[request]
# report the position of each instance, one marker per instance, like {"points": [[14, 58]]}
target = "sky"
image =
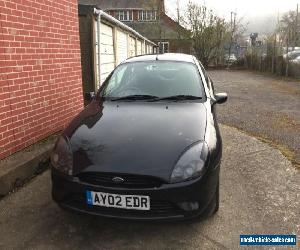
{"points": [[258, 15], [249, 8]]}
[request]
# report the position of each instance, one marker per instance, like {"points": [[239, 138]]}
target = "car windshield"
{"points": [[156, 79]]}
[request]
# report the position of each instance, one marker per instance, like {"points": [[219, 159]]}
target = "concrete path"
{"points": [[260, 194]]}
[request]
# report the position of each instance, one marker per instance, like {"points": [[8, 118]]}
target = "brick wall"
{"points": [[40, 70]]}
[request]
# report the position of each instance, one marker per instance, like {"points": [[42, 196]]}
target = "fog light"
{"points": [[189, 206]]}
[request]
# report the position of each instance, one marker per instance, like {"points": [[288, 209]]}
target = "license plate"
{"points": [[137, 202]]}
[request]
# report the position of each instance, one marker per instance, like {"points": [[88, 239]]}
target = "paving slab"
{"points": [[20, 167]]}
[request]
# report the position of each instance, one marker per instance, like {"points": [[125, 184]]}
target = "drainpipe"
{"points": [[136, 46], [99, 48]]}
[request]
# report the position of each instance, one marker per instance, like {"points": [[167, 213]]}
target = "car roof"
{"points": [[162, 57]]}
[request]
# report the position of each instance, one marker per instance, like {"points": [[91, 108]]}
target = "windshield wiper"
{"points": [[135, 97], [179, 97]]}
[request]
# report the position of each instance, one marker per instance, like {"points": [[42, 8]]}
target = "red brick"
{"points": [[40, 62]]}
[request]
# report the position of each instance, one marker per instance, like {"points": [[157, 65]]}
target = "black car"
{"points": [[147, 146]]}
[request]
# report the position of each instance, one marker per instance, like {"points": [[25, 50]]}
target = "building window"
{"points": [[147, 15], [163, 47], [124, 15]]}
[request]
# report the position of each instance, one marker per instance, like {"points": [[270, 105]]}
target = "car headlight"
{"points": [[191, 164], [61, 157]]}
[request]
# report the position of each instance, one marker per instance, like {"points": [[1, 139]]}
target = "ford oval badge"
{"points": [[118, 179]]}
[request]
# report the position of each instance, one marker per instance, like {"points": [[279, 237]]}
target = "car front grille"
{"points": [[130, 181]]}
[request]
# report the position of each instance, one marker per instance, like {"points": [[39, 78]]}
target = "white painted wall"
{"points": [[107, 57], [139, 47], [149, 49], [115, 47], [132, 45], [122, 46]]}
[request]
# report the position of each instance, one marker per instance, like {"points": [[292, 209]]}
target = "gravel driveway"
{"points": [[263, 106]]}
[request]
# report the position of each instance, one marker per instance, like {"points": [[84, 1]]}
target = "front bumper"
{"points": [[69, 192]]}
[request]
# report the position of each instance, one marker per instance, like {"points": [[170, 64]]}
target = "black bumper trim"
{"points": [[64, 188]]}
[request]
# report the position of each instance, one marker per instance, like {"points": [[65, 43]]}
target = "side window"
{"points": [[208, 80], [204, 72], [211, 85], [115, 81]]}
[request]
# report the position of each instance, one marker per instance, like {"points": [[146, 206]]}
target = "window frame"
{"points": [[163, 47], [127, 15], [147, 15], [208, 80]]}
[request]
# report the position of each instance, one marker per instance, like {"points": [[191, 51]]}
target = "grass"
{"points": [[288, 153], [275, 76]]}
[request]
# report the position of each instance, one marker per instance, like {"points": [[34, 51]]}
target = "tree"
{"points": [[208, 32], [288, 29]]}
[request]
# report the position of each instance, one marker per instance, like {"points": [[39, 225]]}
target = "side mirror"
{"points": [[89, 96], [220, 98]]}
